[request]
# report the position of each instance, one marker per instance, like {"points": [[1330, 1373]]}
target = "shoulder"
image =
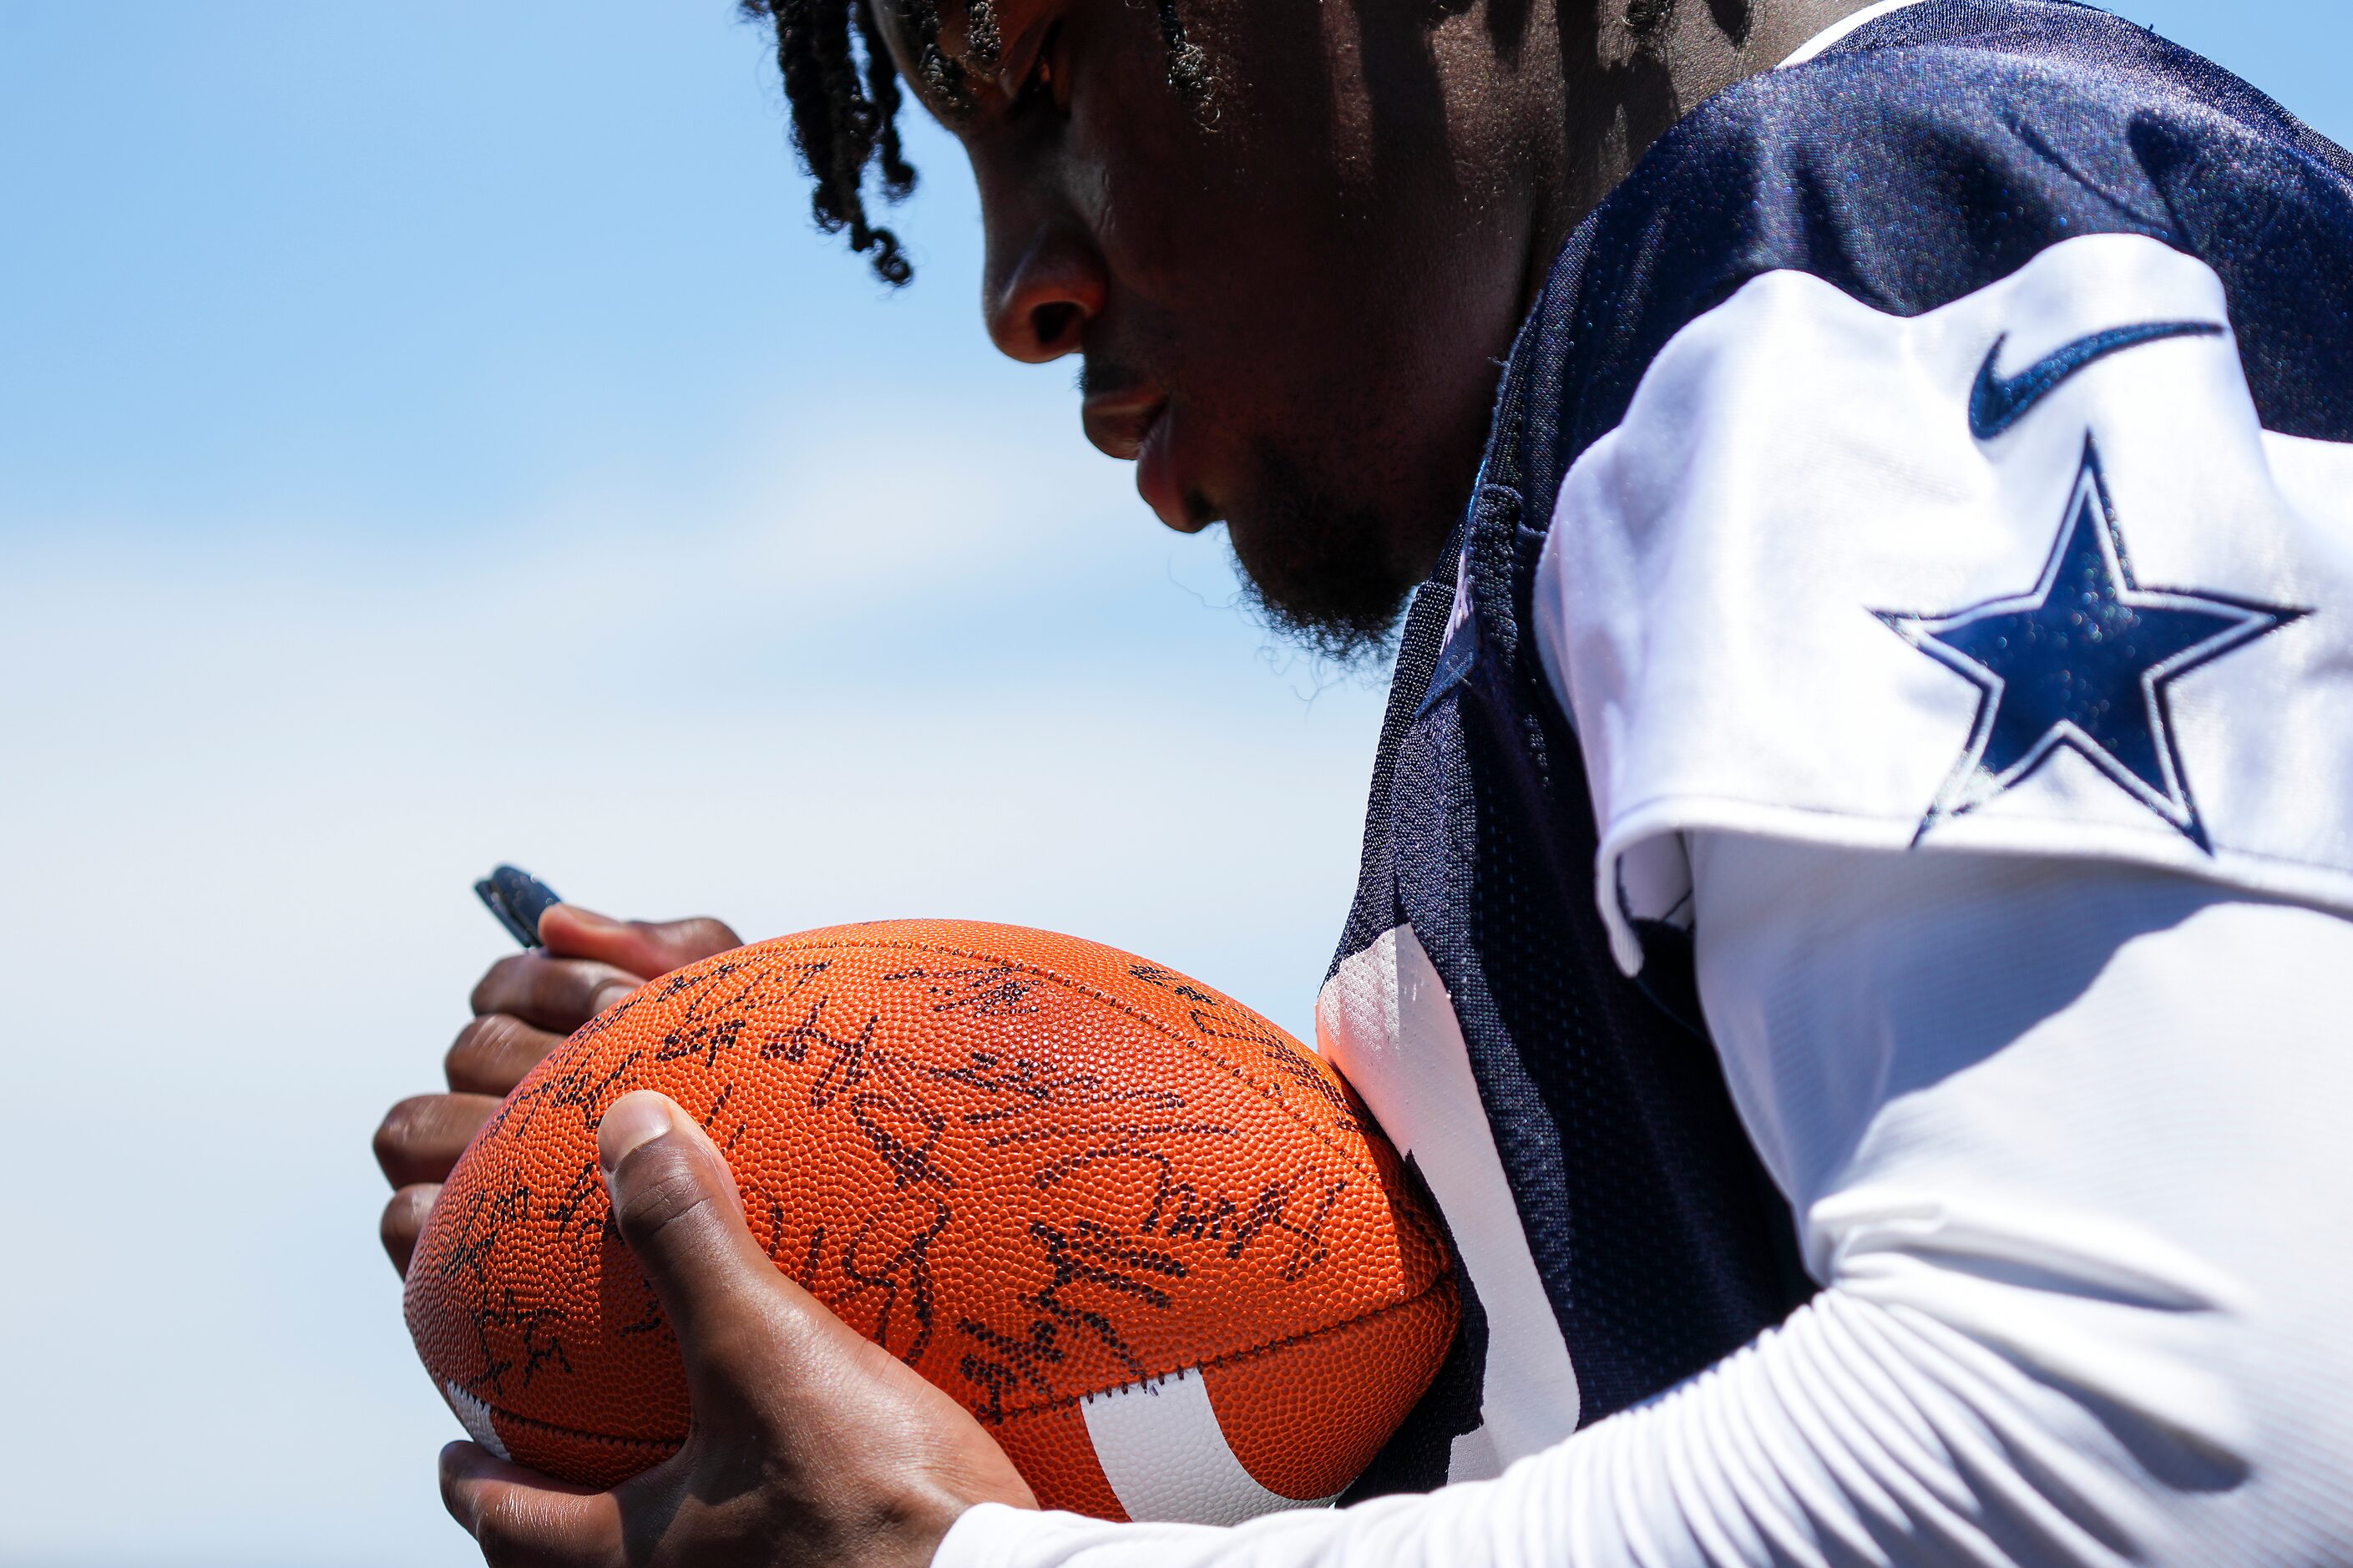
{"points": [[1940, 152], [1951, 440], [1947, 444], [1942, 148]]}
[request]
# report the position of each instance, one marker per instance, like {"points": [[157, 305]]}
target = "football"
{"points": [[1153, 1244]]}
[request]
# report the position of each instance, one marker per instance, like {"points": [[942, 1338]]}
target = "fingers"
{"points": [[678, 1206], [522, 1520], [640, 947], [553, 993], [422, 1137], [589, 963], [492, 1054], [404, 1222]]}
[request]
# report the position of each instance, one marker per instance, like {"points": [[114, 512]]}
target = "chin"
{"points": [[1317, 571]]}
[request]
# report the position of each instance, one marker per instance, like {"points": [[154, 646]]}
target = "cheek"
{"points": [[1190, 204], [1231, 269], [1260, 269], [1167, 201]]}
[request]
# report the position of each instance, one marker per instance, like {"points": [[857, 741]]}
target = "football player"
{"points": [[1853, 920]]}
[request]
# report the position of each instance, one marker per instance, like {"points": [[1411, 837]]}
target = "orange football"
{"points": [[1154, 1245]]}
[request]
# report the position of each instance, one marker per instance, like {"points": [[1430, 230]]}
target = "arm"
{"points": [[2065, 1163]]}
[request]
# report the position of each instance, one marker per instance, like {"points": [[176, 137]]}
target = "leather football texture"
{"points": [[1154, 1245]]}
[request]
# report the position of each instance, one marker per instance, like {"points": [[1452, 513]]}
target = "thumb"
{"points": [[638, 947], [676, 1204]]}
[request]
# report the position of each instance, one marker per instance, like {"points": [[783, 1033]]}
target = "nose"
{"points": [[1039, 308]]}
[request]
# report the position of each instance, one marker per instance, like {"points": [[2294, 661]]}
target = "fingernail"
{"points": [[631, 1121], [587, 917]]}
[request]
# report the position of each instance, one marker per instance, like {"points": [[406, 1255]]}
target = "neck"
{"points": [[1633, 67]]}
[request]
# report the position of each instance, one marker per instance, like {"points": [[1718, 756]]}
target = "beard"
{"points": [[1313, 571]]}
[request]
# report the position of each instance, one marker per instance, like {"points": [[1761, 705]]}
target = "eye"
{"points": [[1046, 82]]}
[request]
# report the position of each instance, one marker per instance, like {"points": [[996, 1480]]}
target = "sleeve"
{"points": [[2080, 1308], [2025, 575]]}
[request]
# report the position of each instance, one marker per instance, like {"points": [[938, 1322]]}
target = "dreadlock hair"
{"points": [[1648, 16], [843, 91], [1735, 19]]}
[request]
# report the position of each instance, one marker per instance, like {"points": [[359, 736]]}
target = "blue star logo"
{"points": [[2083, 660]]}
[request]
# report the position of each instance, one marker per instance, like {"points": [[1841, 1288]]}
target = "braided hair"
{"points": [[843, 90]]}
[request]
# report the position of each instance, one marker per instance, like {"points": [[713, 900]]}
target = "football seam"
{"points": [[1029, 967], [1421, 1223]]}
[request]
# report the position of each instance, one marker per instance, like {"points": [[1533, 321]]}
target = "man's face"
{"points": [[1291, 293]]}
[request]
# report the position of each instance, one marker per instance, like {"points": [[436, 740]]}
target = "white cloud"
{"points": [[246, 783]]}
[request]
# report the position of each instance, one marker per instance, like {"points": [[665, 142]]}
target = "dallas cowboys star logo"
{"points": [[2084, 659]]}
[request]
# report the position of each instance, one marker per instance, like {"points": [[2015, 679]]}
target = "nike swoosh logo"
{"points": [[1997, 402]]}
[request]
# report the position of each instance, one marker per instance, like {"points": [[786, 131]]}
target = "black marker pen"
{"points": [[518, 899]]}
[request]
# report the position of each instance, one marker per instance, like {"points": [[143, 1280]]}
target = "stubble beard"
{"points": [[1314, 572]]}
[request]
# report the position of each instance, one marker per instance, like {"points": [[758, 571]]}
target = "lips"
{"points": [[1136, 426], [1118, 421]]}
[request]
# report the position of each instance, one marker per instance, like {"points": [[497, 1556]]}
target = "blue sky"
{"points": [[429, 434]]}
